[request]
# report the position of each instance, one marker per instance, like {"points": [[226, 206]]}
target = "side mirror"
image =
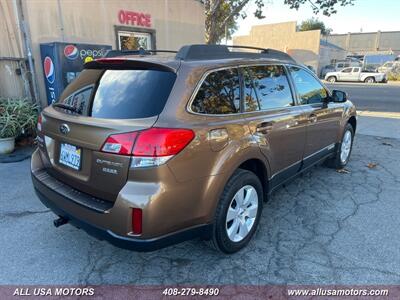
{"points": [[339, 96]]}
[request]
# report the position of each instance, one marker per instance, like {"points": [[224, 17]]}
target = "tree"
{"points": [[222, 15], [314, 24]]}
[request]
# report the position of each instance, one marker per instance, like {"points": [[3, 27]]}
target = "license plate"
{"points": [[70, 156]]}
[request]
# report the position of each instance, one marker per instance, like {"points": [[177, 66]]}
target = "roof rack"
{"points": [[210, 52], [141, 51]]}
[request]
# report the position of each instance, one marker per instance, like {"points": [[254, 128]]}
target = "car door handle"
{"points": [[264, 127], [313, 118]]}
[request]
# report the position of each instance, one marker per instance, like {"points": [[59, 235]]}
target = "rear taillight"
{"points": [[137, 221], [157, 142], [39, 122], [151, 147]]}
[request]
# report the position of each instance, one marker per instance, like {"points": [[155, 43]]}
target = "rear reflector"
{"points": [[137, 221]]}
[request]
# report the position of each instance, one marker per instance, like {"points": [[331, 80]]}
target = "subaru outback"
{"points": [[149, 149]]}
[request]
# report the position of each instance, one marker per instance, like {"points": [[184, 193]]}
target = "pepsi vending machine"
{"points": [[62, 62]]}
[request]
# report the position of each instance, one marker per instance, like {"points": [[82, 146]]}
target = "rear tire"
{"points": [[238, 212], [344, 149], [369, 80], [332, 79]]}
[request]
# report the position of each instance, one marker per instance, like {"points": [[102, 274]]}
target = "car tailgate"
{"points": [[99, 174]]}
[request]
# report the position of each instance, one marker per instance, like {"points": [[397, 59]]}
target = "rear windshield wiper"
{"points": [[67, 107]]}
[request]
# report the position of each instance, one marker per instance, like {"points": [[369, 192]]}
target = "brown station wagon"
{"points": [[146, 150]]}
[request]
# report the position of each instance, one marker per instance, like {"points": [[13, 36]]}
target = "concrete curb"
{"points": [[378, 114]]}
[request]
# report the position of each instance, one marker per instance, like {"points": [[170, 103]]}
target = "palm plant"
{"points": [[17, 116]]}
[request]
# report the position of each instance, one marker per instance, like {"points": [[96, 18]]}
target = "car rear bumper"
{"points": [[117, 240], [100, 224]]}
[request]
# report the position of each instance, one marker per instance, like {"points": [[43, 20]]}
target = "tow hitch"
{"points": [[60, 221]]}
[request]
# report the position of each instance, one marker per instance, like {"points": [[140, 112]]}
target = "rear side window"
{"points": [[266, 87], [219, 93], [119, 94]]}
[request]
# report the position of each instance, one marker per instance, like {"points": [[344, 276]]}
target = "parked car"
{"points": [[355, 74], [147, 151], [340, 65], [373, 61], [326, 69], [356, 57], [389, 66]]}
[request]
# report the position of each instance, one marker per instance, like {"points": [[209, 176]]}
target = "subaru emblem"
{"points": [[64, 128]]}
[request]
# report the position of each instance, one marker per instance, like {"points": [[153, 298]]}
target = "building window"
{"points": [[131, 40]]}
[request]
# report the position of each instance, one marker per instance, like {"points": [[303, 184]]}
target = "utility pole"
{"points": [[28, 49]]}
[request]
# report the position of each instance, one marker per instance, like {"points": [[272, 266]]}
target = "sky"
{"points": [[364, 15]]}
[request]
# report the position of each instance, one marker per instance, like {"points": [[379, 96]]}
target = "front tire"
{"points": [[344, 149], [238, 212]]}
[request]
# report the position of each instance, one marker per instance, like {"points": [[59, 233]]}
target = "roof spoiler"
{"points": [[122, 63], [140, 51]]}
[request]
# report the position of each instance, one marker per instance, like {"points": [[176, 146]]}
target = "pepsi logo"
{"points": [[71, 52], [49, 71]]}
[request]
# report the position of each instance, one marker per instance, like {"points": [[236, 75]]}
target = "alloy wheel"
{"points": [[346, 146], [242, 213]]}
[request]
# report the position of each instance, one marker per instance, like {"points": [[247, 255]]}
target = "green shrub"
{"points": [[17, 116], [393, 76]]}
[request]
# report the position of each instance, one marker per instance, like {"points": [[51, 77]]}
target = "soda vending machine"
{"points": [[62, 62]]}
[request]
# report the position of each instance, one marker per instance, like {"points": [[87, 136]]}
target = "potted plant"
{"points": [[16, 117]]}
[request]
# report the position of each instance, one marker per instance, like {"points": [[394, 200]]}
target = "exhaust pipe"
{"points": [[60, 221]]}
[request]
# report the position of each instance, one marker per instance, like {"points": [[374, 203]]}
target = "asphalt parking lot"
{"points": [[323, 228]]}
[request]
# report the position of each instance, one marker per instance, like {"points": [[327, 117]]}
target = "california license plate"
{"points": [[70, 156]]}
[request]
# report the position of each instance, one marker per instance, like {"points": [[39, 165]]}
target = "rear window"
{"points": [[119, 94], [219, 93]]}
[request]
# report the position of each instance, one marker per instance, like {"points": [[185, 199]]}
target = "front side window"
{"points": [[356, 70], [219, 93], [266, 87], [310, 90], [348, 70]]}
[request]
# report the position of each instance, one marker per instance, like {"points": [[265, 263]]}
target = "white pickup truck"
{"points": [[355, 74]]}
